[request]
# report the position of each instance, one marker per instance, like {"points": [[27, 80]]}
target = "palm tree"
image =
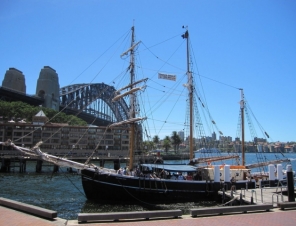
{"points": [[166, 143], [148, 145], [176, 140], [156, 140]]}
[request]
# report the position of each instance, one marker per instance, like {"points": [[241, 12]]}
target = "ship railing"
{"points": [[276, 193], [277, 198], [243, 190]]}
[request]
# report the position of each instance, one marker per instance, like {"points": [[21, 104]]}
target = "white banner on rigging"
{"points": [[167, 76]]}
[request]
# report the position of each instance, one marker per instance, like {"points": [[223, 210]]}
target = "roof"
{"points": [[172, 168], [40, 114]]}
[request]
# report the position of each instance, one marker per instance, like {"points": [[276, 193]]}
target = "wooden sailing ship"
{"points": [[151, 183]]}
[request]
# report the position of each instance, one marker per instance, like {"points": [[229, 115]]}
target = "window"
{"points": [[56, 135], [108, 141], [117, 136], [83, 142], [46, 134], [100, 137], [17, 134], [73, 141], [27, 133]]}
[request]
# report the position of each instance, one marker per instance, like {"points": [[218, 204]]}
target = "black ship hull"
{"points": [[103, 187]]}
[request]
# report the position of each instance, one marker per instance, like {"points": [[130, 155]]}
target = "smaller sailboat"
{"points": [[241, 172]]}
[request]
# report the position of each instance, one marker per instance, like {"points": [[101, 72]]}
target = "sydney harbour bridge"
{"points": [[93, 103], [90, 102]]}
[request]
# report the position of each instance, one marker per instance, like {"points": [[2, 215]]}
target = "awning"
{"points": [[171, 168]]}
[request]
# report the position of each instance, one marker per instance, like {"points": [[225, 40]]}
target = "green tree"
{"points": [[166, 143], [156, 140], [176, 140], [21, 110], [148, 145]]}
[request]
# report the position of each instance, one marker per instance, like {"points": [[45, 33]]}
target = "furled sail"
{"points": [[131, 120], [126, 93], [131, 85], [214, 159], [260, 164]]}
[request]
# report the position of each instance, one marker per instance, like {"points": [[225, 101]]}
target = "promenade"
{"points": [[274, 217]]}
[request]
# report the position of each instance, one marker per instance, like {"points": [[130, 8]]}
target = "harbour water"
{"points": [[63, 191]]}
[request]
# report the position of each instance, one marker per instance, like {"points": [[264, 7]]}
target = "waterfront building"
{"points": [[181, 135], [59, 138], [225, 138], [62, 139]]}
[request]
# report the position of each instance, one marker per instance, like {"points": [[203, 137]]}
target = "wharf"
{"points": [[265, 195]]}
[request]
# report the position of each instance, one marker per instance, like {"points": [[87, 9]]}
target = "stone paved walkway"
{"points": [[274, 217]]}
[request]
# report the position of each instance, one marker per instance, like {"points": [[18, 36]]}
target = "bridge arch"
{"points": [[94, 99]]}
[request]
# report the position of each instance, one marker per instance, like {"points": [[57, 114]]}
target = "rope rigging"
{"points": [[257, 143]]}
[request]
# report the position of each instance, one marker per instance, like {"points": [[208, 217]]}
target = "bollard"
{"points": [[252, 200], [241, 198], [290, 184]]}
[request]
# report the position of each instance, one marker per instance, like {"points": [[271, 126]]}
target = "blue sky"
{"points": [[235, 44]]}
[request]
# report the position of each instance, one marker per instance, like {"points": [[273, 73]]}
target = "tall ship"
{"points": [[156, 182]]}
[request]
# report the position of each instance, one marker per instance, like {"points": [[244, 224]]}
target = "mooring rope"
{"points": [[234, 198]]}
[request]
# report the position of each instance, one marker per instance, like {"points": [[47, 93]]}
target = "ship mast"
{"points": [[132, 103], [132, 97], [190, 89], [242, 107]]}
